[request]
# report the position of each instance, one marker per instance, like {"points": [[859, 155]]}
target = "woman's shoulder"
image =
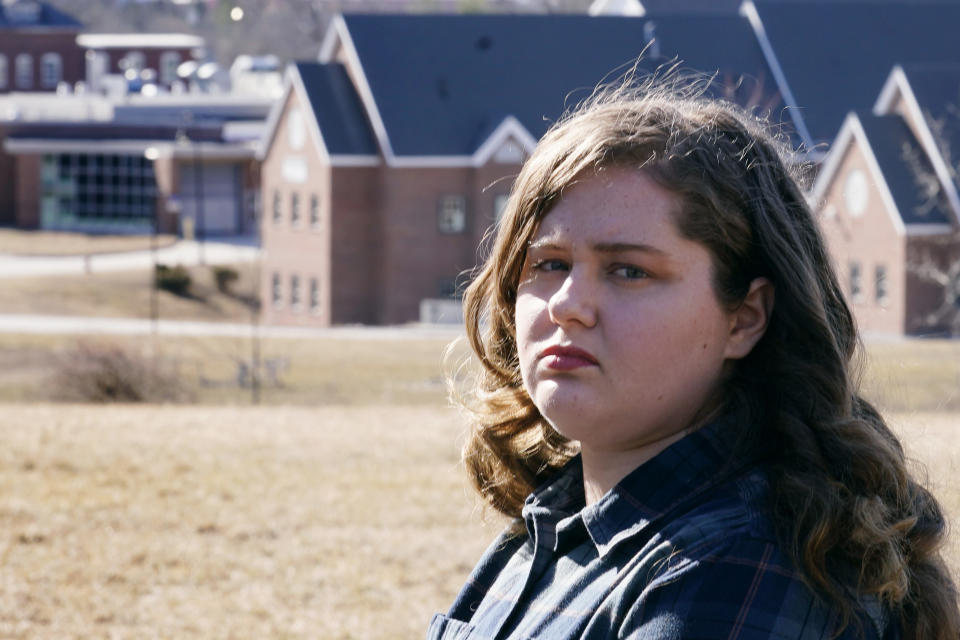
{"points": [[717, 568]]}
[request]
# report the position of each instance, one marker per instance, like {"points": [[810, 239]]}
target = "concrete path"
{"points": [[185, 252], [86, 325]]}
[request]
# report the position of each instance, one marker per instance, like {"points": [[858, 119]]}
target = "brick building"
{"points": [[889, 206], [385, 163], [38, 47], [98, 164], [118, 53]]}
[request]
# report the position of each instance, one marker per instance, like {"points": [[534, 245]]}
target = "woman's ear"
{"points": [[749, 321]]}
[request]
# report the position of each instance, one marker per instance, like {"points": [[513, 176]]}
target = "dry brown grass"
{"points": [[164, 522], [226, 522], [229, 522], [126, 294], [59, 243]]}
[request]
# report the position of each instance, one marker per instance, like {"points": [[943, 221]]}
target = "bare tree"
{"points": [[935, 260]]}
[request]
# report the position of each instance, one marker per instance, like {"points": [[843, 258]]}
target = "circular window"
{"points": [[855, 192]]}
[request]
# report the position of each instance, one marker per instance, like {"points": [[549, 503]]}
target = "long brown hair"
{"points": [[844, 505]]}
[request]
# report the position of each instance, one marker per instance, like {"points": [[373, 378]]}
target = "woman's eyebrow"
{"points": [[620, 247]]}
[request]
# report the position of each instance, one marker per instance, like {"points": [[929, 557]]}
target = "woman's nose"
{"points": [[574, 301]]}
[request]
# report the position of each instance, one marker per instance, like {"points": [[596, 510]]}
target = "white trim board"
{"points": [[749, 11]]}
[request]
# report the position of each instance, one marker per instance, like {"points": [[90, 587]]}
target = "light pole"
{"points": [[151, 154], [184, 140]]}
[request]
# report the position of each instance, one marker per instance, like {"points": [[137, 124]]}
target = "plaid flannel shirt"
{"points": [[681, 548]]}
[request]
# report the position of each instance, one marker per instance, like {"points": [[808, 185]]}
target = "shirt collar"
{"points": [[678, 474]]}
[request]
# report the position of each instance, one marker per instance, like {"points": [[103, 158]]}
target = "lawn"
{"points": [[230, 522], [337, 509], [62, 243], [127, 294]]}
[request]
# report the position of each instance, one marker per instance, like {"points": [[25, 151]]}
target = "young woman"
{"points": [[668, 408]]}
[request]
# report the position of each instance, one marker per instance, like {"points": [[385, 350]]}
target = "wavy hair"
{"points": [[844, 505]]}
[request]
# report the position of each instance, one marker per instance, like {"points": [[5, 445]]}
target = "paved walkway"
{"points": [[25, 323], [185, 252]]}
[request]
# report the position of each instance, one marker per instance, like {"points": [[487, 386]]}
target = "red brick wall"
{"points": [[36, 44], [356, 246], [8, 212], [27, 180], [923, 295]]}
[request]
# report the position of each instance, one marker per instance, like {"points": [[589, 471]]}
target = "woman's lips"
{"points": [[567, 358]]}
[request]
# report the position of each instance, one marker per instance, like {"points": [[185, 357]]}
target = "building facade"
{"points": [[38, 47]]}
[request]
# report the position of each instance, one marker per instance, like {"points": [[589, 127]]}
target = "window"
{"points": [[135, 60], [23, 69], [169, 61], [276, 290], [447, 288], [881, 284], [294, 209], [856, 282], [51, 70], [452, 216], [98, 191], [314, 296], [4, 71], [276, 211], [295, 292], [499, 205], [314, 211]]}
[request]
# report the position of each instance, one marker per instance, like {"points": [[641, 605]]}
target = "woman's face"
{"points": [[620, 336]]}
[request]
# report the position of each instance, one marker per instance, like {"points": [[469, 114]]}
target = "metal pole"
{"points": [[255, 312], [198, 194], [154, 300]]}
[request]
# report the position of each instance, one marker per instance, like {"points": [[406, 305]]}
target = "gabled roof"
{"points": [[337, 109], [335, 115], [435, 85], [930, 99], [899, 168], [835, 53], [906, 170], [937, 91], [47, 16]]}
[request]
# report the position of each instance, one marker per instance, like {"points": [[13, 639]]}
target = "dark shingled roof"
{"points": [[906, 169], [836, 54], [48, 16], [937, 89], [337, 108], [443, 83]]}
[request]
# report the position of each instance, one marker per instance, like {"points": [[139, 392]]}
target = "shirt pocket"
{"points": [[445, 628]]}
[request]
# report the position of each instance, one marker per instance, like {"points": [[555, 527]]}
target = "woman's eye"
{"points": [[550, 265], [630, 272]]}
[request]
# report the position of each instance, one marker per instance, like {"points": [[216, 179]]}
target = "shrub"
{"points": [[109, 372], [176, 279], [225, 277]]}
